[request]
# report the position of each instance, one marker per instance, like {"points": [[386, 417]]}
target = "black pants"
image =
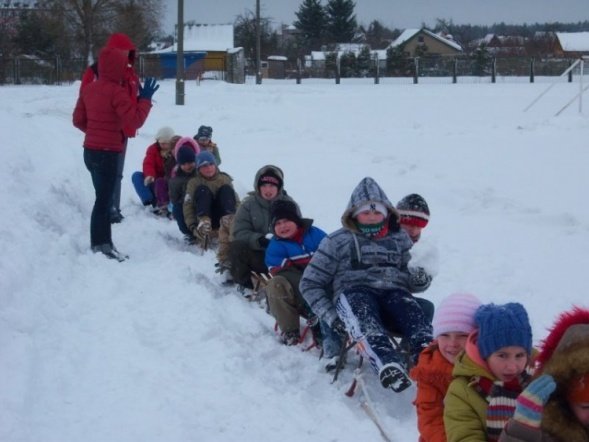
{"points": [[102, 166], [244, 260], [216, 205]]}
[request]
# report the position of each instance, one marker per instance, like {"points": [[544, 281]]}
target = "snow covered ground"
{"points": [[154, 349]]}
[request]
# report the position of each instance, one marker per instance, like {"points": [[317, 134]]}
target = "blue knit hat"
{"points": [[204, 159], [502, 326]]}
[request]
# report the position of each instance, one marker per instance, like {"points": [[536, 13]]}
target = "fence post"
{"points": [[416, 70], [376, 69], [337, 69], [16, 74], [299, 69], [455, 71], [532, 70], [494, 70], [570, 72]]}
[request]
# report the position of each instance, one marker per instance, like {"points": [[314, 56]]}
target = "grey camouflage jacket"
{"points": [[348, 258]]}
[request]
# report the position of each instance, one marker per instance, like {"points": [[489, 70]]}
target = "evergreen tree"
{"points": [[311, 23], [482, 59], [348, 65], [365, 63], [341, 21], [398, 64]]}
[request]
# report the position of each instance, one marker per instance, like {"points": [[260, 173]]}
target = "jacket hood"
{"points": [[122, 41], [265, 169], [112, 64], [564, 355], [367, 191], [186, 140]]}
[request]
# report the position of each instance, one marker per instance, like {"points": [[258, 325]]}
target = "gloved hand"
{"points": [[530, 403], [339, 327], [263, 241], [148, 180], [226, 220], [148, 89], [204, 228], [419, 278]]}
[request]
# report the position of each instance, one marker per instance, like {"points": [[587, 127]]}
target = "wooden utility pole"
{"points": [[180, 55], [258, 37]]}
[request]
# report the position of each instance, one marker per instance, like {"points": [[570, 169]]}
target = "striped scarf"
{"points": [[501, 397]]}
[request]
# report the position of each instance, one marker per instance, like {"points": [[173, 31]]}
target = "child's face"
{"points": [[204, 141], [369, 217], [208, 171], [581, 412], [285, 228], [414, 232], [508, 363], [188, 167], [451, 344], [165, 145], [268, 191]]}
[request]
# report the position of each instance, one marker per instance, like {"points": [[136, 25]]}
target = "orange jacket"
{"points": [[433, 374]]}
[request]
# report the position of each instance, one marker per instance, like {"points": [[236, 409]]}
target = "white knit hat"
{"points": [[455, 314], [164, 134]]}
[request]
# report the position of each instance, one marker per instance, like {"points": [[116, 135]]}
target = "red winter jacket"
{"points": [[153, 163], [104, 107], [130, 79]]}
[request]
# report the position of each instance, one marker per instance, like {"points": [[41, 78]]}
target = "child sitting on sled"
{"points": [[453, 322], [359, 279]]}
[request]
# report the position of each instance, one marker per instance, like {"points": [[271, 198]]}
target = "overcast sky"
{"points": [[392, 13]]}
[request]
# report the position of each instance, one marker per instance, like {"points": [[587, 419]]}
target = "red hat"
{"points": [[413, 211]]}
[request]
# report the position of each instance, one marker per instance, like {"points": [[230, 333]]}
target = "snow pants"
{"points": [[155, 194], [220, 208], [365, 311], [243, 260]]}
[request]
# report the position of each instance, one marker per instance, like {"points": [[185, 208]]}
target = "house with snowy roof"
{"points": [[572, 44], [205, 46], [415, 41]]}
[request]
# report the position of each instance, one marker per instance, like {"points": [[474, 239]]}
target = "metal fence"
{"points": [[33, 70]]}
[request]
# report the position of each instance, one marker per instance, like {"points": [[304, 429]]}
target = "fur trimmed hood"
{"points": [[564, 355]]}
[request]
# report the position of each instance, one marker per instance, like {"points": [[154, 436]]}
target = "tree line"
{"points": [[78, 28]]}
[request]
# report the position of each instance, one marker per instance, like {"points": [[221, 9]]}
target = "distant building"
{"points": [[572, 44], [422, 41]]}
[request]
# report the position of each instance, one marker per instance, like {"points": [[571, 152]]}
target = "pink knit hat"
{"points": [[455, 314]]}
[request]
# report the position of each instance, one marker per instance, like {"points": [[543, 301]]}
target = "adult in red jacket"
{"points": [[103, 109], [131, 83]]}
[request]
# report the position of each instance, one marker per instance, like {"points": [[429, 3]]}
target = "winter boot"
{"points": [[393, 376], [291, 338]]}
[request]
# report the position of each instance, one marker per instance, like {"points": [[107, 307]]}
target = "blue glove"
{"points": [[531, 401], [148, 89]]}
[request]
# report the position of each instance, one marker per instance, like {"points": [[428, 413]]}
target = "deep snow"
{"points": [[154, 349]]}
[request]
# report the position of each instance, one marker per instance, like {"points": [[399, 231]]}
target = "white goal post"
{"points": [[582, 88]]}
